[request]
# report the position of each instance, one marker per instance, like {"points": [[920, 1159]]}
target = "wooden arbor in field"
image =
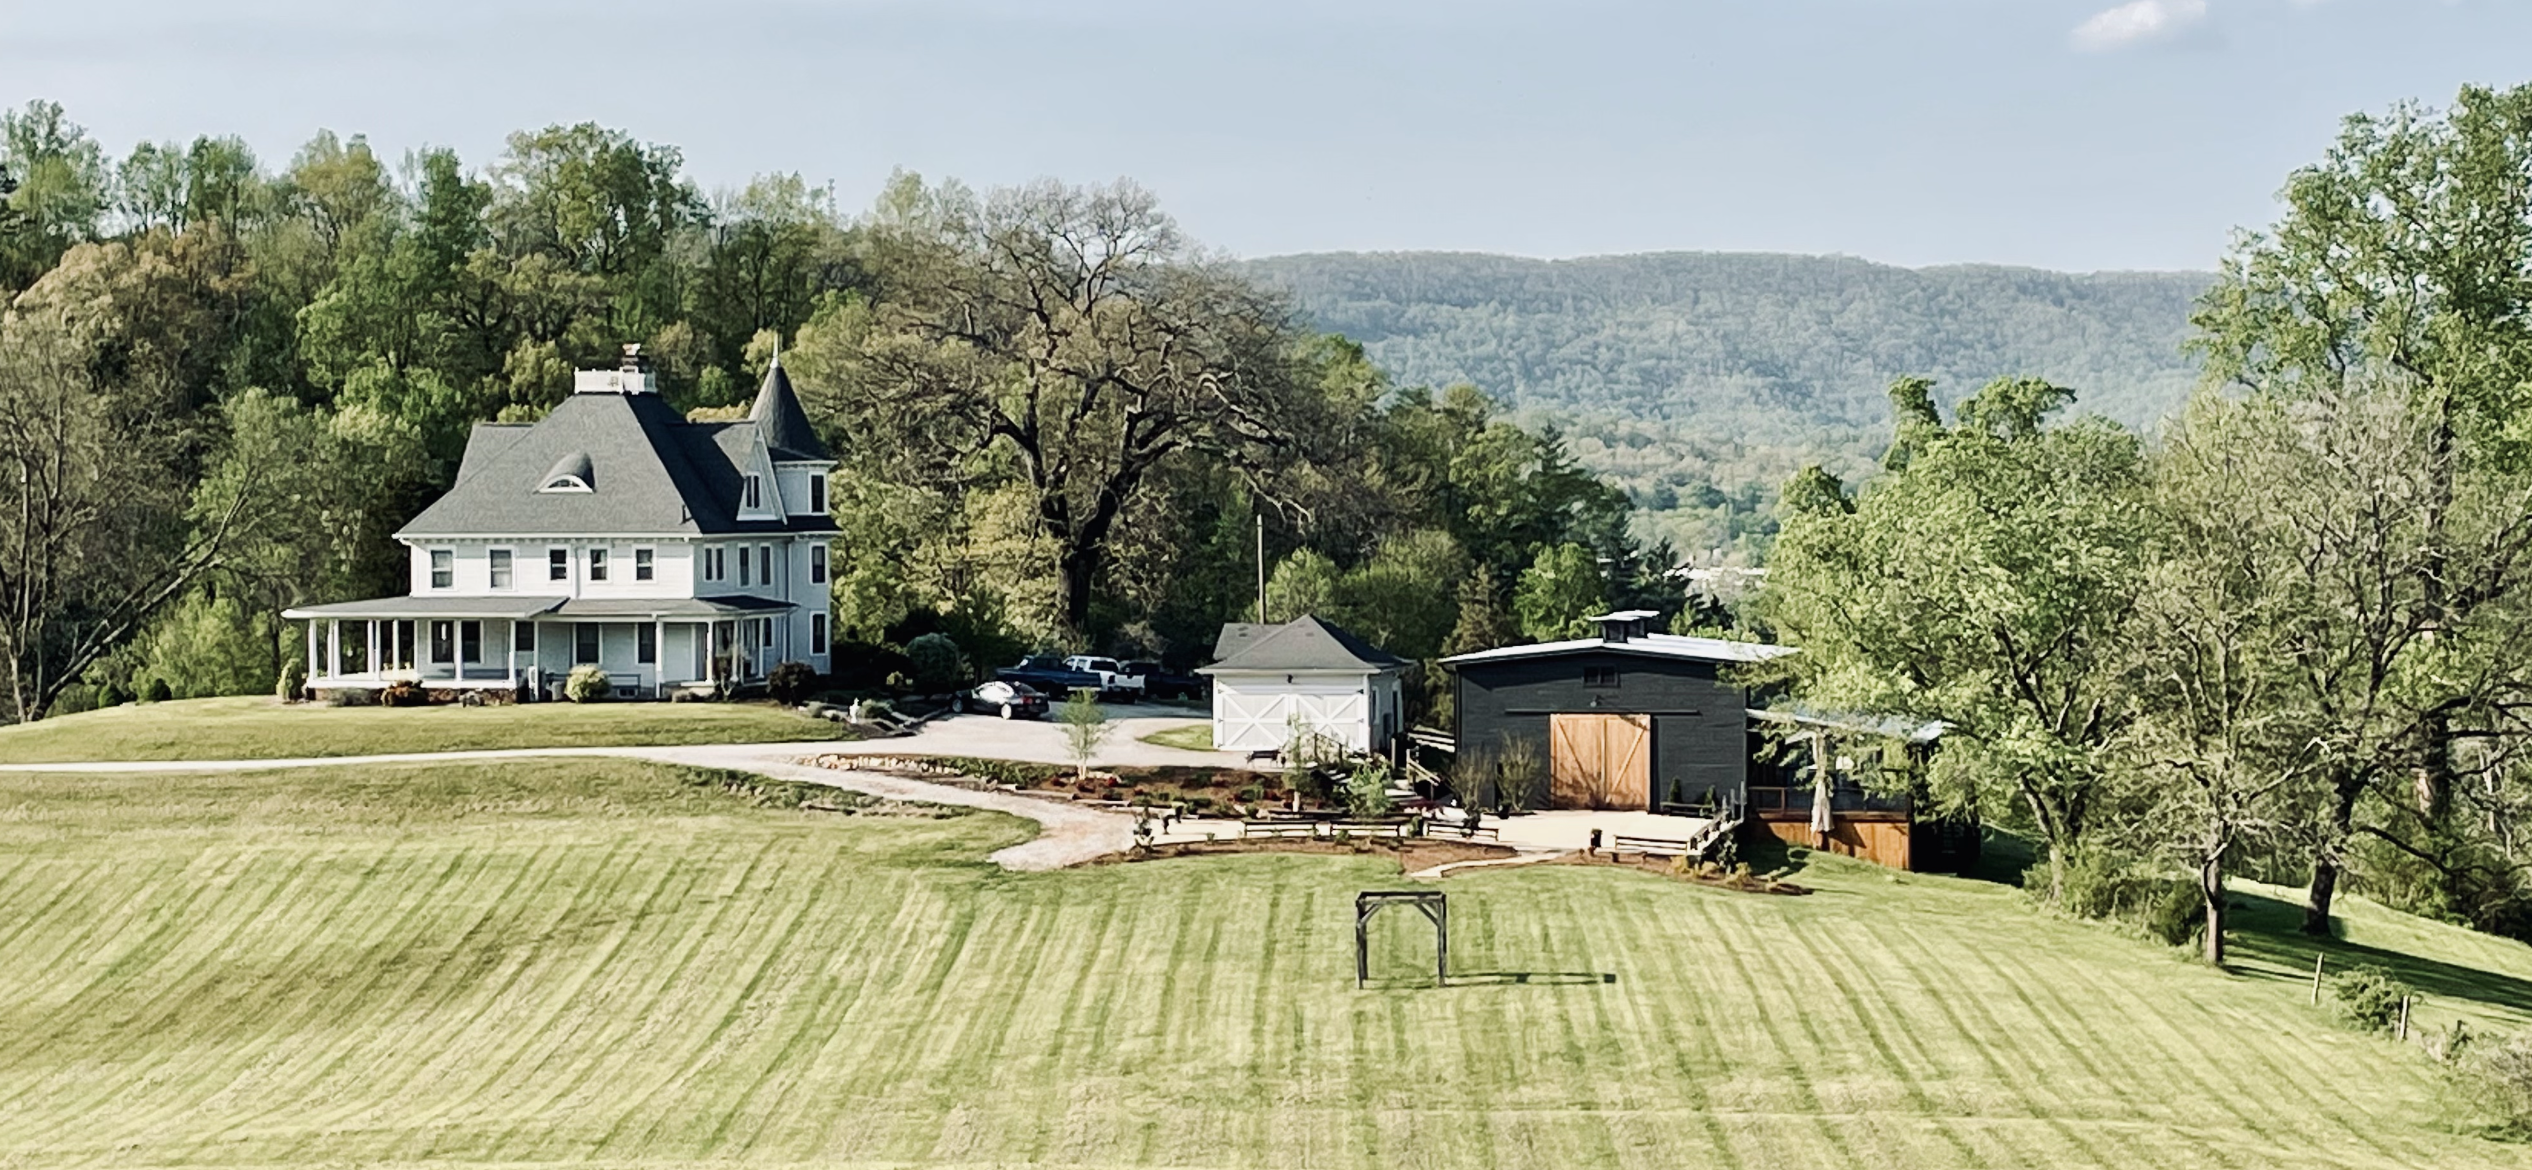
{"points": [[1435, 905]]}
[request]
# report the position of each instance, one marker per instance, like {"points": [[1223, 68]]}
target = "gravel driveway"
{"points": [[1042, 741]]}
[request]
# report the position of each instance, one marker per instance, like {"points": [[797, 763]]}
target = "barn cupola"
{"points": [[1626, 625], [632, 375]]}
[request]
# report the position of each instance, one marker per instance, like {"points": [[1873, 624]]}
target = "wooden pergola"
{"points": [[1436, 907]]}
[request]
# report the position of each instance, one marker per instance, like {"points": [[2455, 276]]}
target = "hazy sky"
{"points": [[2066, 133]]}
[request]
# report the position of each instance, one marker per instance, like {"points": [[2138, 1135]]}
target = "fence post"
{"points": [[2404, 1018], [2316, 977]]}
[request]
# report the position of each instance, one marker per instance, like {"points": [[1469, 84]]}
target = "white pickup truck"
{"points": [[1113, 680]]}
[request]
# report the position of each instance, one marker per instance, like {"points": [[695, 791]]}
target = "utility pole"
{"points": [[1261, 568]]}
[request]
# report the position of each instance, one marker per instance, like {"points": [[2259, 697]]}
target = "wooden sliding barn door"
{"points": [[1600, 761]]}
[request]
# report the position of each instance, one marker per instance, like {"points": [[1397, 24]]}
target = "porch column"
{"points": [[312, 648], [659, 657], [334, 648], [510, 652], [375, 666]]}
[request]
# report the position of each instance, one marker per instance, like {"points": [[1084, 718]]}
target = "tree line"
{"points": [[2291, 634], [223, 386]]}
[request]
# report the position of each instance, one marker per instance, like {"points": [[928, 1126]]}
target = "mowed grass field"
{"points": [[602, 962], [263, 728]]}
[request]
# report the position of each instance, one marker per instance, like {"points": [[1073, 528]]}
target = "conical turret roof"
{"points": [[778, 417]]}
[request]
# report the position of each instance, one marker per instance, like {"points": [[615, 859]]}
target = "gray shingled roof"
{"points": [[778, 415], [653, 473], [1236, 636], [1307, 643]]}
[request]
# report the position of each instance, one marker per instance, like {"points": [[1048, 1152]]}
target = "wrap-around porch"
{"points": [[647, 647]]}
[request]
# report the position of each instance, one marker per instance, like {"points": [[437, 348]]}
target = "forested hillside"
{"points": [[1700, 380]]}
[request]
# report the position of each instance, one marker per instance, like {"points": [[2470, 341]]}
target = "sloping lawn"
{"points": [[260, 728], [605, 962]]}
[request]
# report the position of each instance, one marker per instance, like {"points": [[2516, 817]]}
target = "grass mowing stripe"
{"points": [[552, 1019], [461, 974], [652, 1007], [2179, 1048], [377, 988], [593, 1044], [172, 1022], [1869, 1023]]}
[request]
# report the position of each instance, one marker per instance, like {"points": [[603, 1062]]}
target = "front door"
{"points": [[1600, 761]]}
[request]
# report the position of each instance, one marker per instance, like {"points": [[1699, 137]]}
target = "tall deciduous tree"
{"points": [[2402, 269], [1985, 583], [1561, 588], [1068, 336], [102, 433]]}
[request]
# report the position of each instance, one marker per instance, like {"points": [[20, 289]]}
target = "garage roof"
{"points": [[1306, 643]]}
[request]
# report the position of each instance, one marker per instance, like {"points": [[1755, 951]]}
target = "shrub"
{"points": [[2102, 884], [587, 684], [113, 694], [2369, 997], [293, 679], [404, 694], [1521, 776], [936, 663], [1367, 791], [75, 698], [2496, 1079], [156, 691], [1252, 793], [792, 682]]}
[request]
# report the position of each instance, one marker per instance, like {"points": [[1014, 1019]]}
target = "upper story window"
{"points": [[752, 493], [817, 564], [817, 493], [1600, 676], [642, 567], [558, 564], [742, 564], [597, 564], [715, 564], [443, 568], [499, 559], [765, 562]]}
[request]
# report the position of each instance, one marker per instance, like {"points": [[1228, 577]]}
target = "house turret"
{"points": [[784, 424]]}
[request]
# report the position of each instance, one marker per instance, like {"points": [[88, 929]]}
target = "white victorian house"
{"points": [[1273, 680], [611, 533]]}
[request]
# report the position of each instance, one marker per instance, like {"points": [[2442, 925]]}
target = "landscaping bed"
{"points": [[1195, 791]]}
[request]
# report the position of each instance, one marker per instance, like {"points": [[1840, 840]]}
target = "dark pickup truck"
{"points": [[1048, 673], [1162, 683]]}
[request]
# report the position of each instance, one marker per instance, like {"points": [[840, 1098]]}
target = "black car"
{"points": [[1160, 682], [1008, 699]]}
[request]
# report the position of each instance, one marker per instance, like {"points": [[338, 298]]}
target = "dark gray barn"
{"points": [[1628, 719]]}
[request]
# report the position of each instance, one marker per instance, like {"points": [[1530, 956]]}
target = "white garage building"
{"points": [[1272, 679]]}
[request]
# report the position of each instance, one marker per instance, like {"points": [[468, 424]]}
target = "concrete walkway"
{"points": [[1068, 834]]}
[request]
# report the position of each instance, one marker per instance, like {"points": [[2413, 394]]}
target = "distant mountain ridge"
{"points": [[1710, 372]]}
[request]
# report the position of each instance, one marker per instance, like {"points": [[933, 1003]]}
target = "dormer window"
{"points": [[817, 494], [571, 473], [752, 493]]}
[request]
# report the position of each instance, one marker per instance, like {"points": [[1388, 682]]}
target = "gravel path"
{"points": [[1068, 835]]}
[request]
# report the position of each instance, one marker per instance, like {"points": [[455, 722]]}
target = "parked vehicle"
{"points": [[1114, 678], [1047, 674], [1163, 683], [1008, 699]]}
